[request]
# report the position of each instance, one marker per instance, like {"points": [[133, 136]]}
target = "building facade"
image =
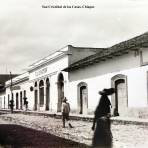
{"points": [[123, 67], [45, 83], [3, 79], [79, 73]]}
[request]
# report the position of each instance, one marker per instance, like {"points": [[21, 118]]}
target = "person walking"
{"points": [[25, 103], [102, 134], [65, 112], [11, 104]]}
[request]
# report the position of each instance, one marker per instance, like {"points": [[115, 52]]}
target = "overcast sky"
{"points": [[29, 32]]}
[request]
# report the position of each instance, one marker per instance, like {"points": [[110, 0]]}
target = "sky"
{"points": [[29, 32]]}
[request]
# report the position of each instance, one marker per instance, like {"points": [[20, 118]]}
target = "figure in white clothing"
{"points": [[65, 112]]}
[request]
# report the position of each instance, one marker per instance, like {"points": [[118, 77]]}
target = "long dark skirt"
{"points": [[102, 135]]}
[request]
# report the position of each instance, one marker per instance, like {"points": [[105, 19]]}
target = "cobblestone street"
{"points": [[17, 136], [124, 136]]}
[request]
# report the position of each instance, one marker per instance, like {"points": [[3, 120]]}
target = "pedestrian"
{"points": [[65, 112], [11, 104], [26, 103], [102, 134]]}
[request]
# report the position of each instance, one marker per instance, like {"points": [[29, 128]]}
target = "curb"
{"points": [[88, 118]]}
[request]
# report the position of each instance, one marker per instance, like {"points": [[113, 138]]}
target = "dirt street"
{"points": [[16, 136], [124, 136]]}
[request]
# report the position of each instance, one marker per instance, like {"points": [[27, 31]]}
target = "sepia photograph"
{"points": [[74, 74]]}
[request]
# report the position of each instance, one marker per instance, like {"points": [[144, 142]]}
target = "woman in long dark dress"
{"points": [[102, 135]]}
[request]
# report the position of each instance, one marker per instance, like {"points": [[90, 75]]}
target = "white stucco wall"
{"points": [[137, 87], [52, 72], [77, 53], [98, 77], [54, 90], [1, 99], [116, 64], [29, 94], [53, 67], [53, 93], [2, 104]]}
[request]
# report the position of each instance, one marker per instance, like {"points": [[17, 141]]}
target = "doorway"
{"points": [[119, 99], [16, 100], [60, 91], [82, 98], [41, 93], [35, 96], [47, 94], [21, 100]]}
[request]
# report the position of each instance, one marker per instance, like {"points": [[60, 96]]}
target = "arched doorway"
{"points": [[21, 100], [60, 91], [35, 96], [82, 98], [41, 93], [119, 99], [17, 101], [25, 96], [47, 94]]}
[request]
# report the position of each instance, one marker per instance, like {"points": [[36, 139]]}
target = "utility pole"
{"points": [[11, 101]]}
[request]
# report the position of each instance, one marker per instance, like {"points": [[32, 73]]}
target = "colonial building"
{"points": [[123, 66], [79, 73], [45, 84]]}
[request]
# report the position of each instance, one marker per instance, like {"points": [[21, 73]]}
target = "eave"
{"points": [[111, 52]]}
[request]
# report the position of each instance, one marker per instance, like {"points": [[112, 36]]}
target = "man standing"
{"points": [[26, 103], [65, 112]]}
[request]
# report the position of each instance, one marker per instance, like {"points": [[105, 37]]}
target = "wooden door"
{"points": [[121, 96]]}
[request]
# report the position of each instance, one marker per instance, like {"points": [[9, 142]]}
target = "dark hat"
{"points": [[65, 99], [102, 92], [108, 91]]}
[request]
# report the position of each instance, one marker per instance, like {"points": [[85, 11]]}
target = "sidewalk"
{"points": [[116, 120]]}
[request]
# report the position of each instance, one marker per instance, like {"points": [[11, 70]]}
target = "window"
{"points": [[144, 56]]}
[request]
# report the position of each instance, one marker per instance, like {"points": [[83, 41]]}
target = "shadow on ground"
{"points": [[15, 136]]}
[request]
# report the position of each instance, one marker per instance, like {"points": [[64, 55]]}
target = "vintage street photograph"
{"points": [[74, 74]]}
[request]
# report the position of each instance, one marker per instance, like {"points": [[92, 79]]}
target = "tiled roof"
{"points": [[116, 50]]}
